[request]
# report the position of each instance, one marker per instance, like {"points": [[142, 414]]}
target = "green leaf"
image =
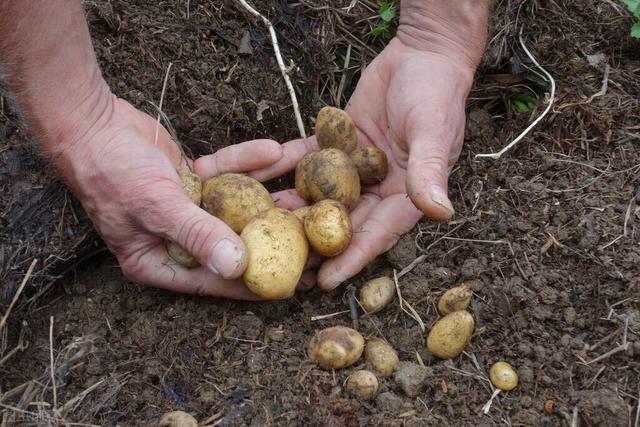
{"points": [[635, 30], [387, 12], [633, 6], [520, 106]]}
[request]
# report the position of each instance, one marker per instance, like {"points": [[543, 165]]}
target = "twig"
{"points": [[410, 312], [487, 406], [605, 85], [524, 133], [618, 349], [283, 69], [53, 372], [343, 79], [327, 316], [574, 419], [164, 89], [18, 292]]}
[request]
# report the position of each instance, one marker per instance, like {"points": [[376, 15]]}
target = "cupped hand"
{"points": [[410, 103], [131, 190]]}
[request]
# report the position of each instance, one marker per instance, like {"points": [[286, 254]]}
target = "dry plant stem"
{"points": [[283, 69], [487, 406], [53, 372], [524, 133], [327, 316], [410, 312], [18, 292], [164, 89]]}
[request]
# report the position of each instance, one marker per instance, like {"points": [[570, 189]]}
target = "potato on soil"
{"points": [[181, 256], [363, 383], [328, 174], [277, 252], [381, 356], [235, 199], [336, 347], [503, 376], [371, 163], [377, 294], [177, 419], [191, 185], [328, 227], [335, 129], [450, 335], [455, 299], [302, 212]]}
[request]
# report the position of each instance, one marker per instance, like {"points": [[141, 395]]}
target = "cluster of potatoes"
{"points": [[278, 240]]}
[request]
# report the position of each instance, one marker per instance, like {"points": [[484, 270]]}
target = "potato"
{"points": [[328, 174], [191, 185], [277, 252], [328, 227], [371, 163], [455, 299], [377, 294], [381, 356], [335, 129], [235, 199], [181, 256], [450, 335], [302, 212], [362, 383], [503, 376], [336, 347], [177, 419]]}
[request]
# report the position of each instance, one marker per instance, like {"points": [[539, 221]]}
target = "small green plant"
{"points": [[634, 7], [387, 20], [523, 102]]}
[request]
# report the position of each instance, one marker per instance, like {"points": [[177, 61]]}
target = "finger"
{"points": [[292, 153], [288, 199], [243, 157], [155, 268], [313, 260], [390, 219], [362, 210], [308, 280]]}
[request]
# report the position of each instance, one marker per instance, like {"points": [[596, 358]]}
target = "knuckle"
{"points": [[196, 233]]}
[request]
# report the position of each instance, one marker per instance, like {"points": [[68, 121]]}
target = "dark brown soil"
{"points": [[546, 235]]}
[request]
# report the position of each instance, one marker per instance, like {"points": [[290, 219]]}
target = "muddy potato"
{"points": [[235, 199], [328, 227], [450, 335], [381, 356], [328, 174], [503, 376], [377, 294], [455, 299], [363, 383], [277, 252], [371, 163], [177, 419], [302, 212], [192, 186], [181, 256], [335, 129], [336, 347]]}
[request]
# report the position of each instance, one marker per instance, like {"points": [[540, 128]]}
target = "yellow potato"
{"points": [[450, 335], [328, 227], [377, 294], [381, 356], [363, 383], [336, 347], [503, 376], [235, 199], [328, 174], [335, 129], [177, 419], [371, 163], [191, 185], [277, 252], [455, 299], [181, 256], [302, 212]]}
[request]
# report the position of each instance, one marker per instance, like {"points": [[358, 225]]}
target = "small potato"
{"points": [[450, 335], [191, 185], [235, 199], [328, 174], [377, 294], [381, 356], [181, 256], [278, 251], [335, 129], [363, 383], [371, 163], [177, 419], [336, 347], [302, 212], [503, 376], [328, 227], [455, 299]]}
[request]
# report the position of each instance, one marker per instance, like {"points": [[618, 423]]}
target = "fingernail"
{"points": [[440, 198], [227, 259]]}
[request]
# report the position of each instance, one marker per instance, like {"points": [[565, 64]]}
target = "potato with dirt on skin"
{"points": [[177, 419], [455, 299], [192, 187], [503, 376], [371, 163], [328, 174], [328, 227], [181, 256], [336, 347], [377, 294], [450, 335], [277, 253], [302, 212], [381, 356], [335, 129], [235, 199], [363, 383]]}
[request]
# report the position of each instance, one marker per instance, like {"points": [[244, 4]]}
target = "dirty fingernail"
{"points": [[440, 198], [227, 259]]}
